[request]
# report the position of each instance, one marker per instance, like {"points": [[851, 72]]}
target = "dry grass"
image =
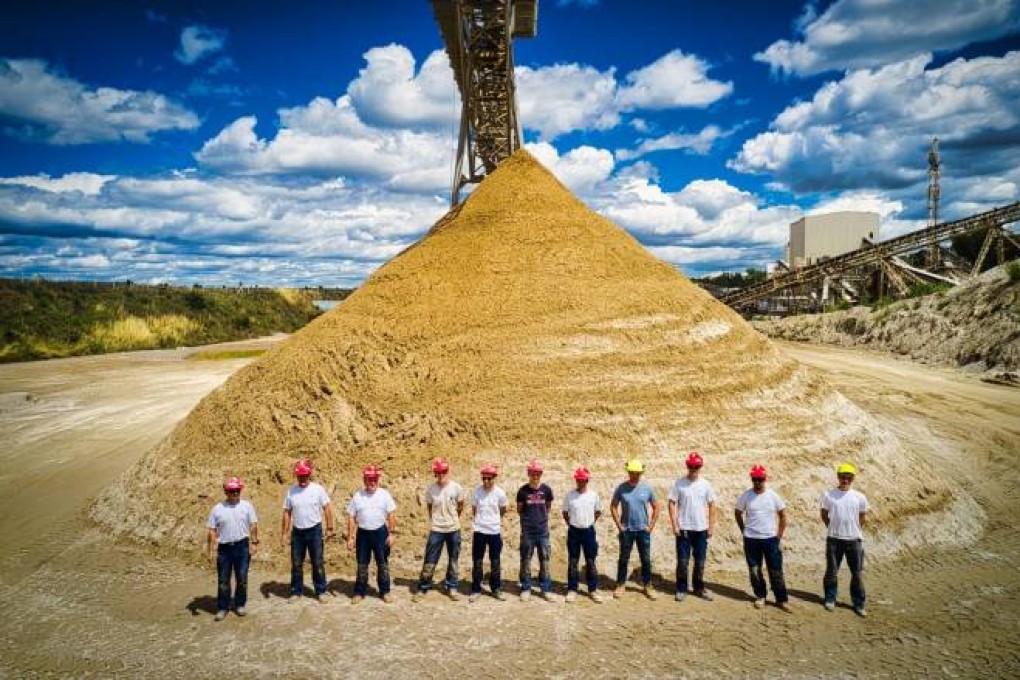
{"points": [[132, 332], [221, 355]]}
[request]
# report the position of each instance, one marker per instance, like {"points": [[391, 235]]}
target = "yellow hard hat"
{"points": [[846, 469], [635, 465]]}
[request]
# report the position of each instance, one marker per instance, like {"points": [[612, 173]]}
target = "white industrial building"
{"points": [[816, 237]]}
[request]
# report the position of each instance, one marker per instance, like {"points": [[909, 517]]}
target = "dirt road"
{"points": [[77, 604]]}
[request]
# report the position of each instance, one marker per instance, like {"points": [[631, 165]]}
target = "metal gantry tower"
{"points": [[479, 41], [934, 199]]}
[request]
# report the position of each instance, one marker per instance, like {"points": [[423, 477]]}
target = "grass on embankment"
{"points": [[220, 355], [46, 319]]}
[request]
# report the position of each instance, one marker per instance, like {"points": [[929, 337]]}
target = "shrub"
{"points": [[1013, 271]]}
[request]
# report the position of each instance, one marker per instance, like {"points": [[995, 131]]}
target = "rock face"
{"points": [[975, 325], [522, 325]]}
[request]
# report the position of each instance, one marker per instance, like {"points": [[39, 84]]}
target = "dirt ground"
{"points": [[77, 603]]}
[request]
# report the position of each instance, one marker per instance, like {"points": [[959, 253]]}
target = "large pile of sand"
{"points": [[523, 325]]}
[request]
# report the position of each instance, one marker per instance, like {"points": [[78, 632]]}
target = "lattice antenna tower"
{"points": [[934, 258]]}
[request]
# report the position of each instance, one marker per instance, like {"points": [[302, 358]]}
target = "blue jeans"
{"points": [[582, 540], [232, 558], [529, 544], [767, 549], [643, 538], [433, 549], [307, 541], [369, 544], [479, 542], [686, 543], [835, 549]]}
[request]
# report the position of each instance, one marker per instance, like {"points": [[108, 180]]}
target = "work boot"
{"points": [[241, 611], [680, 597], [649, 593], [861, 611], [830, 605], [618, 592], [419, 595], [704, 595], [357, 599], [548, 596], [473, 597], [499, 595], [571, 596], [525, 595], [453, 593], [759, 603], [785, 607], [597, 598], [221, 614], [387, 598]]}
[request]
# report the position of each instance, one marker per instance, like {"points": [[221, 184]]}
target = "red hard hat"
{"points": [[233, 484], [371, 471], [303, 467], [440, 465], [489, 470], [534, 466], [694, 459], [758, 472], [582, 474]]}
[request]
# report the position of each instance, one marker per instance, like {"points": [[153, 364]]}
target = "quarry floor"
{"points": [[76, 603]]}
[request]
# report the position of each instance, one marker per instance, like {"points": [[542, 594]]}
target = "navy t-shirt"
{"points": [[535, 517]]}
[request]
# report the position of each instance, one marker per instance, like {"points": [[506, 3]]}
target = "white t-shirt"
{"points": [[845, 508], [487, 504], [369, 510], [444, 500], [581, 508], [306, 504], [760, 513], [232, 521], [692, 499]]}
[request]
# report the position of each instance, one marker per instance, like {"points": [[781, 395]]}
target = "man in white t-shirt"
{"points": [[371, 526], [582, 508], [761, 516], [489, 503], [444, 501], [692, 516], [844, 511], [304, 509], [232, 528]]}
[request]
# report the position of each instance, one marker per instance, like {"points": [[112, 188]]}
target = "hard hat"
{"points": [[758, 472], [635, 465], [371, 471], [233, 484], [846, 469], [694, 459], [303, 467], [534, 466], [489, 470], [440, 465], [582, 474]]}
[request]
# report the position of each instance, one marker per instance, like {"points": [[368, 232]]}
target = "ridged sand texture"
{"points": [[526, 325]]}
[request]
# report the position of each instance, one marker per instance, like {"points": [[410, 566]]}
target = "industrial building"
{"points": [[816, 237]]}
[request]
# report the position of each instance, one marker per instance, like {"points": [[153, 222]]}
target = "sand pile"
{"points": [[523, 324]]}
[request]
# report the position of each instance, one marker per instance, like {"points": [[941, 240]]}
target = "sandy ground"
{"points": [[76, 603]]}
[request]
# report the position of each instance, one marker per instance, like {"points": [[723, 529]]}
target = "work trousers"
{"points": [[479, 543], [628, 538], [307, 541], [688, 543], [232, 559], [578, 541], [768, 549], [433, 550], [369, 543], [529, 545], [835, 550]]}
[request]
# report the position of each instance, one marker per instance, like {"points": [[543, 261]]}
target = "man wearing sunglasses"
{"points": [[844, 511], [232, 528], [489, 503]]}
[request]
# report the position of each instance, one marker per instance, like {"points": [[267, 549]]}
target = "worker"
{"points": [[305, 508], [844, 511], [631, 502], [534, 500], [371, 527], [692, 517], [444, 502], [761, 516], [233, 528], [489, 504], [582, 508]]}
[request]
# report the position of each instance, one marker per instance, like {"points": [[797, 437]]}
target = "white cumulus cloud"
{"points": [[673, 80], [59, 110], [388, 92]]}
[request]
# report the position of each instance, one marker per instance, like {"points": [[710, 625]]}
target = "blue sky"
{"points": [[307, 143]]}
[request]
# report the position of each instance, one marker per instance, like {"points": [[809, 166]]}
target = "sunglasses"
{"points": [[233, 491]]}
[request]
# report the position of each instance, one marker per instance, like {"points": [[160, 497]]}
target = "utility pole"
{"points": [[934, 198]]}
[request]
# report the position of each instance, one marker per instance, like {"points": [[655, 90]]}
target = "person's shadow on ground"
{"points": [[202, 603]]}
